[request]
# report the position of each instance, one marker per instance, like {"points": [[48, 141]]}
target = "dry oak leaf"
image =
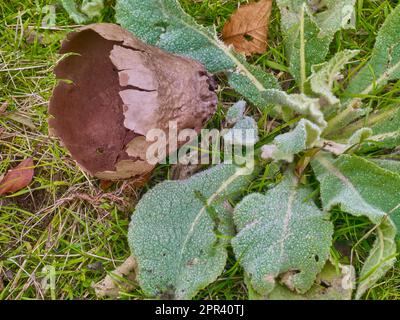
{"points": [[247, 28], [17, 178], [119, 89]]}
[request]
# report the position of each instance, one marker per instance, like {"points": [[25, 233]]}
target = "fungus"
{"points": [[113, 89]]}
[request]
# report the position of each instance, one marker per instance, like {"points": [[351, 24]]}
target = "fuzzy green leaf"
{"points": [[236, 112], [244, 132], [387, 131], [92, 8], [296, 103], [50, 16], [282, 233], [359, 136], [178, 232], [308, 35], [358, 186], [163, 23], [381, 257], [71, 8], [384, 124], [304, 136], [244, 84], [339, 14], [324, 75], [329, 15], [303, 45], [331, 284], [384, 64], [387, 164]]}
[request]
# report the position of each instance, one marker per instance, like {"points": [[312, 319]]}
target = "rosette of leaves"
{"points": [[335, 137], [282, 236]]}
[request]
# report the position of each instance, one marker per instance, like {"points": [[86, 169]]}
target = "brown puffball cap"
{"points": [[113, 89]]}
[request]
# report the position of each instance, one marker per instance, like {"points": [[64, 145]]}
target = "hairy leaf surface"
{"points": [[325, 75], [384, 64], [92, 8], [236, 112], [243, 84], [304, 136], [339, 14], [359, 136], [282, 233], [308, 34], [296, 103], [71, 8], [244, 132], [359, 187], [333, 283], [303, 46], [388, 164], [178, 232], [381, 257], [387, 131]]}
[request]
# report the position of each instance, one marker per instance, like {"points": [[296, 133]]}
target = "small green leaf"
{"points": [[92, 8], [304, 136], [359, 136], [339, 14], [50, 16], [243, 84], [384, 64], [308, 34], [358, 186], [307, 38], [387, 131], [178, 232], [244, 132], [163, 23], [333, 283], [324, 75], [236, 112], [381, 257], [384, 124], [387, 164], [282, 233], [298, 103], [73, 12]]}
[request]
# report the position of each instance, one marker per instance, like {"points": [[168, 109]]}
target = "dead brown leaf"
{"points": [[17, 178], [22, 119], [105, 184], [3, 107], [247, 28]]}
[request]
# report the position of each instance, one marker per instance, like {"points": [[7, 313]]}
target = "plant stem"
{"points": [[334, 123], [302, 51]]}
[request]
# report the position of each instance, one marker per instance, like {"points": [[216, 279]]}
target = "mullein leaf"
{"points": [[281, 233]]}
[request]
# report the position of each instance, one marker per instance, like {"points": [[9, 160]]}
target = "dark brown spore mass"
{"points": [[89, 110]]}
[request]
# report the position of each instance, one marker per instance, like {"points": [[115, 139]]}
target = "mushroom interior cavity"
{"points": [[113, 89]]}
